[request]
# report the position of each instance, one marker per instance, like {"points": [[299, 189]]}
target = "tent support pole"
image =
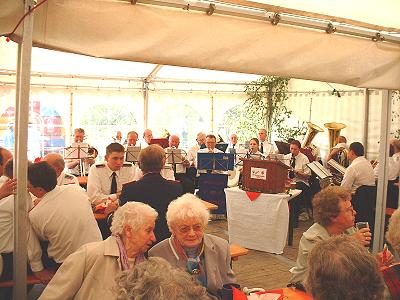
{"points": [[383, 171], [21, 158], [145, 104], [366, 120], [212, 113]]}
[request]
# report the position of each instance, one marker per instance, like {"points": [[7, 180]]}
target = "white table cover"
{"points": [[261, 224]]}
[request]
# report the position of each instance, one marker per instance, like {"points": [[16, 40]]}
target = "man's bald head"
{"points": [[174, 141], [147, 135], [56, 161], [5, 156], [201, 138]]}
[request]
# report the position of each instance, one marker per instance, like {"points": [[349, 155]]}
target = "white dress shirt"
{"points": [[360, 172], [393, 167], [99, 181], [65, 218], [65, 179], [192, 154], [301, 161], [268, 148], [7, 233], [230, 146]]}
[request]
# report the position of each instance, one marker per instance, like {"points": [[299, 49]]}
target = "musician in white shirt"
{"points": [[233, 142], [179, 169], [298, 161], [192, 152], [74, 164], [131, 138], [211, 141], [254, 145], [393, 164], [147, 137], [360, 171], [266, 147], [300, 174]]}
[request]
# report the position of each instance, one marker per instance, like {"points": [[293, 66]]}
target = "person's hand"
{"points": [[89, 160], [186, 163], [385, 257], [364, 236], [335, 151], [36, 201], [44, 276], [8, 188], [112, 206]]}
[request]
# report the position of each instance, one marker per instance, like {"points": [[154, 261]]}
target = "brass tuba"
{"points": [[311, 133], [334, 132]]}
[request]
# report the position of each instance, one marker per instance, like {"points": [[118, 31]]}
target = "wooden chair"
{"points": [[30, 280], [237, 251]]}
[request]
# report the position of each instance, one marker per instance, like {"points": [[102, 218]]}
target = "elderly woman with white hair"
{"points": [[89, 273], [204, 256]]}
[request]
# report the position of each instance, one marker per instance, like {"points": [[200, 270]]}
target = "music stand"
{"points": [[322, 173], [77, 151], [163, 142], [132, 154], [222, 147], [215, 161], [277, 156], [239, 155], [175, 157]]}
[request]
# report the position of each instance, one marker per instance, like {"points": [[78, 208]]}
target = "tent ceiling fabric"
{"points": [[167, 36]]}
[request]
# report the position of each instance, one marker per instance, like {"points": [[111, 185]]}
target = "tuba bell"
{"points": [[311, 133], [341, 156], [334, 132]]}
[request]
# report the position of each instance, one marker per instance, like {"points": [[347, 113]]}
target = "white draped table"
{"points": [[261, 224]]}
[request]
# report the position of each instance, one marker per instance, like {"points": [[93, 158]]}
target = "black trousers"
{"points": [[48, 262], [299, 202]]}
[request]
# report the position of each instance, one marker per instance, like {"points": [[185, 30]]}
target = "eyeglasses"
{"points": [[186, 229]]}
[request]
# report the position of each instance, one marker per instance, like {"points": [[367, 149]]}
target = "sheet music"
{"points": [[175, 156], [334, 164], [319, 170]]}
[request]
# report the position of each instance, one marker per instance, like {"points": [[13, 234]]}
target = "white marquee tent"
{"points": [[236, 35]]}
